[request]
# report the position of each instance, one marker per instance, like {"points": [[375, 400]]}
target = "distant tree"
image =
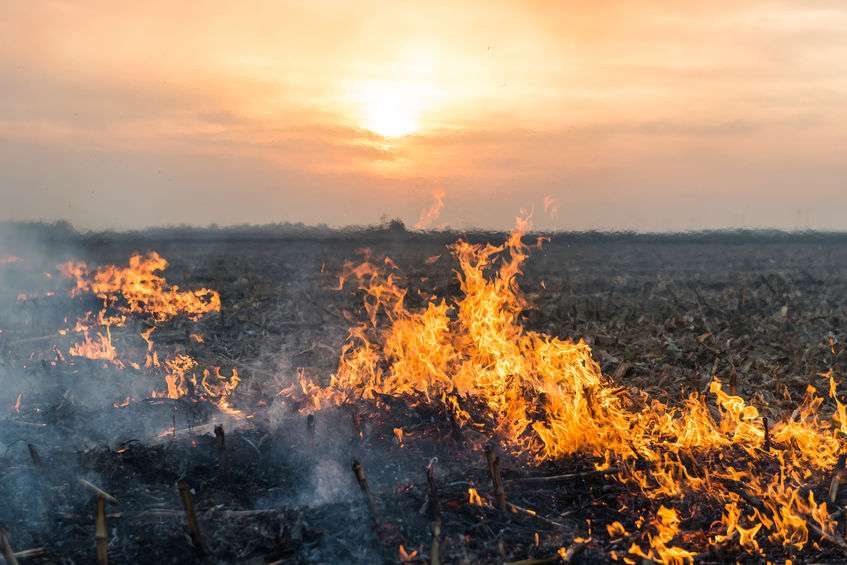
{"points": [[396, 226]]}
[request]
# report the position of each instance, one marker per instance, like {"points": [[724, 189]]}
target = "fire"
{"points": [[666, 525], [137, 289], [399, 436], [132, 290], [545, 398], [433, 212], [124, 403], [99, 348], [551, 207], [474, 498], [9, 259], [407, 556]]}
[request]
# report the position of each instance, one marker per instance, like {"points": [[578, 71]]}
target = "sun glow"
{"points": [[393, 109], [398, 103]]}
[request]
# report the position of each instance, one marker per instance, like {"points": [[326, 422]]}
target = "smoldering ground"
{"points": [[279, 491]]}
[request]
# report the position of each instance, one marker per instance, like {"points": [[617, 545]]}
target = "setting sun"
{"points": [[393, 109], [389, 113]]}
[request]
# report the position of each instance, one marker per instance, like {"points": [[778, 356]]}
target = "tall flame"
{"points": [[546, 397]]}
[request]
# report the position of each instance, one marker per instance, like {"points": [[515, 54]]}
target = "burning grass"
{"points": [[541, 453], [545, 398]]}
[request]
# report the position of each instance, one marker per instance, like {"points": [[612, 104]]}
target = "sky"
{"points": [[646, 114]]}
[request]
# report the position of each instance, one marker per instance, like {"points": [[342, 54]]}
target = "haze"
{"points": [[645, 114]]}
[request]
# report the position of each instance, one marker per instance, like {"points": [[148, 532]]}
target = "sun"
{"points": [[391, 109]]}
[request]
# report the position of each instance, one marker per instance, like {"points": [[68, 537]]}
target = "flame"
{"points": [[433, 212], [9, 259], [474, 498], [137, 289], [406, 556], [17, 407], [99, 348], [432, 260], [551, 207], [545, 398], [666, 525], [181, 380], [616, 530]]}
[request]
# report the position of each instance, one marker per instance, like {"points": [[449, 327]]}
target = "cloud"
{"points": [[231, 115]]}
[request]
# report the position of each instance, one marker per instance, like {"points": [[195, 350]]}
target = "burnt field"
{"points": [[275, 472]]}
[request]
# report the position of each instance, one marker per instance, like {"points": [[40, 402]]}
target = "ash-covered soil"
{"points": [[767, 314]]}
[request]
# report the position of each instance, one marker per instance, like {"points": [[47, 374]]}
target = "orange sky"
{"points": [[643, 114]]}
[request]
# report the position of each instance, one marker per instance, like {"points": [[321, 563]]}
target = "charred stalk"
{"points": [[191, 517], [496, 480], [98, 491], [36, 458], [434, 499], [359, 471], [31, 553], [6, 548], [435, 552], [837, 477], [310, 425], [101, 535], [358, 435], [566, 477], [220, 436]]}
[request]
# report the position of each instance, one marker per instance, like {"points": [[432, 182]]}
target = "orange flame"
{"points": [[433, 212], [545, 398], [142, 291]]}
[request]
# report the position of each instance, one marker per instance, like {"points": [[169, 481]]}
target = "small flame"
{"points": [[474, 498], [406, 556], [432, 213], [551, 207], [138, 290], [124, 403], [666, 525]]}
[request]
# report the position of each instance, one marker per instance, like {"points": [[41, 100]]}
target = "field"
{"points": [[663, 316]]}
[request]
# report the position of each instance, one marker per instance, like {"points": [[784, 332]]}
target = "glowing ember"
{"points": [[407, 556]]}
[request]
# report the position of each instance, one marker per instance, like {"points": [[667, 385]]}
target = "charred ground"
{"points": [[663, 314]]}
